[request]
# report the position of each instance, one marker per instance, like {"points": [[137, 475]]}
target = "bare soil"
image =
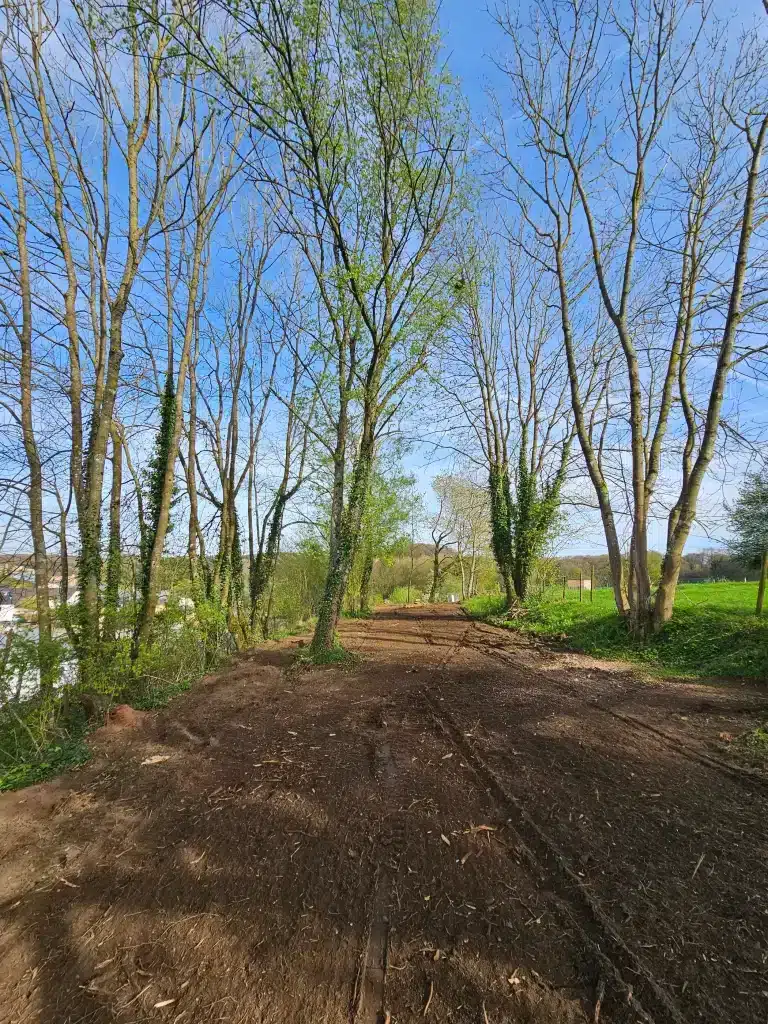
{"points": [[464, 827]]}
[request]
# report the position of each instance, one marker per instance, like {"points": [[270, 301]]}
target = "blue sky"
{"points": [[471, 41]]}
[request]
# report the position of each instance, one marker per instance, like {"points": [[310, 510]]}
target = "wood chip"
{"points": [[163, 1002], [156, 759], [445, 839], [698, 865]]}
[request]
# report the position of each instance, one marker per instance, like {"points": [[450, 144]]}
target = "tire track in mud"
{"points": [[572, 899], [596, 928], [368, 1004], [745, 776]]}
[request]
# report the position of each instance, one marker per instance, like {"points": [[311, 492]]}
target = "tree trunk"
{"points": [[194, 523], [435, 575], [761, 585], [462, 570], [501, 528], [585, 442], [114, 557], [682, 516], [24, 335], [344, 546], [473, 574], [89, 563], [263, 571], [149, 602], [365, 581]]}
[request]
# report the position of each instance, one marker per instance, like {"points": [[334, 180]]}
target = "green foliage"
{"points": [[713, 633], [155, 478], [388, 508], [755, 743], [44, 735], [70, 752], [748, 519], [297, 586]]}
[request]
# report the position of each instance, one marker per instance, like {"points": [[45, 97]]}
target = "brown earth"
{"points": [[464, 827]]}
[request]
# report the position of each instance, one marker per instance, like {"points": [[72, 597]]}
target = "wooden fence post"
{"points": [[581, 585], [592, 582]]}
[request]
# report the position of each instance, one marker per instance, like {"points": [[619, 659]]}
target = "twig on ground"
{"points": [[599, 1000], [430, 993]]}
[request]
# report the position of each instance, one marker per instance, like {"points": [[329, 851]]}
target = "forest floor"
{"points": [[464, 826]]}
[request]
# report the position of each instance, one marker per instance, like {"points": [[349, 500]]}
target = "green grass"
{"points": [[336, 655], [714, 631]]}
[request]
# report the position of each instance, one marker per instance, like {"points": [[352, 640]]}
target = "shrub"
{"points": [[402, 595]]}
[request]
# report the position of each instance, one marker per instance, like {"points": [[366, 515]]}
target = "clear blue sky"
{"points": [[471, 41]]}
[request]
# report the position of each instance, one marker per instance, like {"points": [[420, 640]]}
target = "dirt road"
{"points": [[464, 827]]}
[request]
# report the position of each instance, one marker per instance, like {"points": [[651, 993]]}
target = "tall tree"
{"points": [[215, 140], [507, 380], [369, 143]]}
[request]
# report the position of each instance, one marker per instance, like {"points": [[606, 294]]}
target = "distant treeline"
{"points": [[698, 565]]}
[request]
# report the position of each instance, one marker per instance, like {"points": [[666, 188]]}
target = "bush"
{"points": [[42, 735], [402, 595]]}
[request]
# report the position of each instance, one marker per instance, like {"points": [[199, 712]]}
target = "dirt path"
{"points": [[463, 828]]}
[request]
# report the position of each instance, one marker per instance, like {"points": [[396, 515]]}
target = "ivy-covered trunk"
{"points": [[262, 570], [158, 508], [525, 526], [346, 535], [365, 581], [114, 557], [501, 528], [534, 514]]}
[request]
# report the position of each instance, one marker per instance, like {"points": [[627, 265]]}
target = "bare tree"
{"points": [[215, 141], [598, 125], [507, 379], [442, 530]]}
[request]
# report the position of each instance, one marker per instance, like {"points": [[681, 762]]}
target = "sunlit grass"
{"points": [[714, 631]]}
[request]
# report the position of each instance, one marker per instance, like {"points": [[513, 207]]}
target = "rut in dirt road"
{"points": [[453, 825]]}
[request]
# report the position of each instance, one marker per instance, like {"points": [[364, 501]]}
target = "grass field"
{"points": [[714, 632]]}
